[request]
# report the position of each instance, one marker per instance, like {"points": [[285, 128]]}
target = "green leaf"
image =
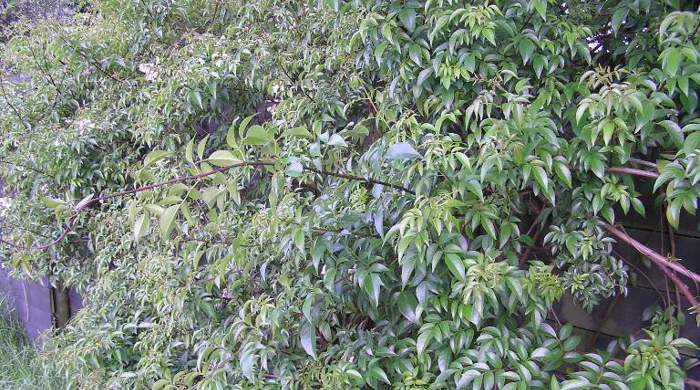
{"points": [[377, 372], [299, 239], [455, 265], [155, 156], [167, 221], [201, 146], [608, 130], [683, 342], [210, 194], [618, 17], [674, 131], [354, 374], [407, 16], [337, 140], [505, 234], [423, 341], [232, 135], [467, 378], [244, 123], [673, 212], [379, 53], [407, 305], [415, 54], [86, 201], [541, 7], [402, 151], [223, 158], [563, 173], [539, 353], [638, 206], [554, 383], [373, 285], [597, 166], [160, 384], [423, 75], [582, 108], [246, 362], [300, 132], [474, 187], [295, 168], [141, 226], [671, 60], [308, 338], [575, 384], [526, 48], [540, 177], [257, 136], [52, 203], [488, 226], [189, 154]]}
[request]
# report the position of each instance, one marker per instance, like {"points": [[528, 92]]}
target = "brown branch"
{"points": [[692, 383], [683, 289], [642, 162], [68, 227], [633, 171], [177, 180], [667, 267], [659, 260], [526, 254]]}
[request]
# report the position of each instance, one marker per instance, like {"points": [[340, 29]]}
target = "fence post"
{"points": [[61, 305]]}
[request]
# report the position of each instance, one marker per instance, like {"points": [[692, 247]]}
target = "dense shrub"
{"points": [[263, 194]]}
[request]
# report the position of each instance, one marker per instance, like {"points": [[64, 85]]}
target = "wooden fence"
{"points": [[35, 302]]}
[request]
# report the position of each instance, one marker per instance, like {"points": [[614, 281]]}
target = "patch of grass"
{"points": [[21, 367]]}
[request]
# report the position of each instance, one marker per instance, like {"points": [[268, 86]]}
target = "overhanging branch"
{"points": [[68, 227]]}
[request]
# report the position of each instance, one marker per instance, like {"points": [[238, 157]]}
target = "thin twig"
{"points": [[23, 166], [353, 177], [524, 256], [663, 250], [641, 272], [608, 311], [9, 103], [91, 61]]}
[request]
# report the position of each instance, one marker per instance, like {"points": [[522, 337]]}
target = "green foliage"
{"points": [[343, 195], [20, 366]]}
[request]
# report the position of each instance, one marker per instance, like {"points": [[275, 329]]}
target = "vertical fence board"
{"points": [[31, 300]]}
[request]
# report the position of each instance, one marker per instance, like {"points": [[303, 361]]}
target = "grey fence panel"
{"points": [[32, 302]]}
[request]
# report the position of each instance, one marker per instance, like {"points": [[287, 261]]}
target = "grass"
{"points": [[20, 366]]}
